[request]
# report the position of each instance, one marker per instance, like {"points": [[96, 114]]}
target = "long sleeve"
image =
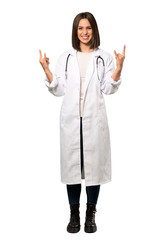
{"points": [[58, 85], [107, 84]]}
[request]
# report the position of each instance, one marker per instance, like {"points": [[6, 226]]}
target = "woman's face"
{"points": [[84, 31]]}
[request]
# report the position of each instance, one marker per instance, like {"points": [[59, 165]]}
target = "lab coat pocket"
{"points": [[103, 120], [62, 117], [104, 129]]}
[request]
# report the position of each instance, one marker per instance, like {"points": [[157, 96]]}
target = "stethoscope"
{"points": [[99, 57]]}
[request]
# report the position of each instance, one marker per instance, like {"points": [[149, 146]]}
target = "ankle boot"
{"points": [[90, 225], [74, 224]]}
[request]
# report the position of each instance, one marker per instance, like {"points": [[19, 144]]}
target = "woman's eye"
{"points": [[87, 28]]}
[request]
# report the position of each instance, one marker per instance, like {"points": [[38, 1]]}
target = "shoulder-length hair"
{"points": [[95, 41]]}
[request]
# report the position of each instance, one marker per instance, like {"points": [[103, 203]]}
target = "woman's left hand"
{"points": [[120, 58]]}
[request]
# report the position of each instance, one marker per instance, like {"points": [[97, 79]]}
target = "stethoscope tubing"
{"points": [[99, 57]]}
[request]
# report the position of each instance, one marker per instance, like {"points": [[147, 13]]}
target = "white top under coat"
{"points": [[83, 61]]}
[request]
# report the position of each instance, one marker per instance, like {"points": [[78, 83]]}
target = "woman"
{"points": [[82, 75]]}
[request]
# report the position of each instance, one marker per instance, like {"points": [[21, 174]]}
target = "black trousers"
{"points": [[74, 191]]}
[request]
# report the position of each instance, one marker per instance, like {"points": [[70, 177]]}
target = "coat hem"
{"points": [[70, 183], [87, 185], [100, 183]]}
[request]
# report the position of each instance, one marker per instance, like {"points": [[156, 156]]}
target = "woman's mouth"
{"points": [[85, 37]]}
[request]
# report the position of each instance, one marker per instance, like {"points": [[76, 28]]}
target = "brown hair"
{"points": [[95, 41]]}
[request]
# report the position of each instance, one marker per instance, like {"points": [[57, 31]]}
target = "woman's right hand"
{"points": [[44, 61]]}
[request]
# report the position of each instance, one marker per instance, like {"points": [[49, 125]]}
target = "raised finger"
{"points": [[124, 48], [45, 55], [40, 53], [115, 53]]}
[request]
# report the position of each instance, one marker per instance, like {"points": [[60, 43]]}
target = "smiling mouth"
{"points": [[85, 38]]}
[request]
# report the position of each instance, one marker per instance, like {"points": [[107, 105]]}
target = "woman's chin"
{"points": [[88, 42]]}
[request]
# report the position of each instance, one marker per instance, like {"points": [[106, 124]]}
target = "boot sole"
{"points": [[73, 230], [90, 229]]}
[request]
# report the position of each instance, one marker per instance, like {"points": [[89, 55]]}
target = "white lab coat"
{"points": [[96, 138]]}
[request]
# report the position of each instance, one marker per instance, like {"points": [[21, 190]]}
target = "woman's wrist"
{"points": [[49, 74], [117, 73], [119, 68], [46, 70]]}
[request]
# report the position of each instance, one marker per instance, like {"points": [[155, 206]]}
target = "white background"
{"points": [[33, 201]]}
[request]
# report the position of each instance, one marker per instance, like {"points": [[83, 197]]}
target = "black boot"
{"points": [[74, 224], [90, 225]]}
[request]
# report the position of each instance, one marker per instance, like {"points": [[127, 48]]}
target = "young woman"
{"points": [[83, 74]]}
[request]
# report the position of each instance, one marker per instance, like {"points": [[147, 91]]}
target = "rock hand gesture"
{"points": [[44, 61], [120, 58]]}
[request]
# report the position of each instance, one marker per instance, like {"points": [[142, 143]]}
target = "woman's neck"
{"points": [[85, 48]]}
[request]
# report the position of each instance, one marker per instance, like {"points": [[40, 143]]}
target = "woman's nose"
{"points": [[85, 31]]}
